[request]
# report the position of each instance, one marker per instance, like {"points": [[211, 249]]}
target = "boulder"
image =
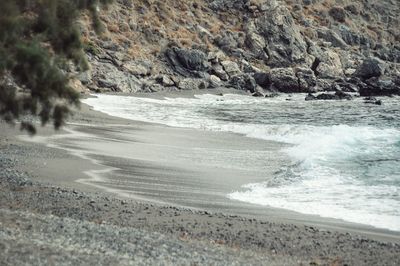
{"points": [[284, 80], [306, 79], [110, 77], [165, 80], [243, 82], [310, 97], [339, 95], [214, 81], [371, 67], [379, 87], [263, 79], [332, 37], [329, 66], [138, 68], [338, 13], [192, 84], [219, 71], [231, 68], [372, 100], [187, 61]]}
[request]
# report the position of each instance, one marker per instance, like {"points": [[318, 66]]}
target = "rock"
{"points": [[138, 68], [339, 95], [110, 46], [260, 92], [215, 57], [155, 87], [379, 87], [350, 37], [243, 82], [329, 66], [165, 80], [231, 68], [353, 8], [256, 44], [332, 37], [372, 100], [371, 67], [110, 77], [219, 71], [229, 41], [263, 79], [85, 77], [192, 84], [306, 79], [187, 61], [338, 13], [326, 96], [310, 97], [77, 85], [343, 95], [214, 81], [285, 44], [349, 71], [284, 80]]}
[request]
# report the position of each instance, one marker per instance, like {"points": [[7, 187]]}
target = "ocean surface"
{"points": [[345, 155]]}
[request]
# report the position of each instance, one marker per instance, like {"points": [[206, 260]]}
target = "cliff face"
{"points": [[262, 46]]}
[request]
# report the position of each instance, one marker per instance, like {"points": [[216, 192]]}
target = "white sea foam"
{"points": [[347, 171]]}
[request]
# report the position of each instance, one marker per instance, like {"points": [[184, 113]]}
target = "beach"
{"points": [[121, 177]]}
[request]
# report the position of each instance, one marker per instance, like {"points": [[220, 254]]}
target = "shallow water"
{"points": [[345, 154]]}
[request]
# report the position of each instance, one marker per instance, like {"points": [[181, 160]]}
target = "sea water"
{"points": [[345, 155]]}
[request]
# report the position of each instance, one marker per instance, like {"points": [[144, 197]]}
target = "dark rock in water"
{"points": [[371, 67], [372, 100], [326, 96], [339, 95], [187, 61], [343, 96], [379, 87], [310, 97]]}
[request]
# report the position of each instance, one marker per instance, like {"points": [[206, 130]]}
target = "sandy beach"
{"points": [[126, 177]]}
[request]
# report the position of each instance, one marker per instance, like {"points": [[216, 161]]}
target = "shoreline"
{"points": [[251, 232], [101, 122]]}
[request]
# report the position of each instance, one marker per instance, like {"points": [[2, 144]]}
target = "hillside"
{"points": [[259, 46]]}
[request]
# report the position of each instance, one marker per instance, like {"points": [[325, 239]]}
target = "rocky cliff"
{"points": [[261, 46]]}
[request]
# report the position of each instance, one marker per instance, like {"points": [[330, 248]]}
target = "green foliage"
{"points": [[39, 40]]}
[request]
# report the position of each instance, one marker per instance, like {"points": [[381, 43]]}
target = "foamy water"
{"points": [[345, 154]]}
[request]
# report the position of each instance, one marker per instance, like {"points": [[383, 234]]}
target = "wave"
{"points": [[347, 171]]}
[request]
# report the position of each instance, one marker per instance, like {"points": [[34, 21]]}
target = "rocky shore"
{"points": [[328, 49], [342, 48]]}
